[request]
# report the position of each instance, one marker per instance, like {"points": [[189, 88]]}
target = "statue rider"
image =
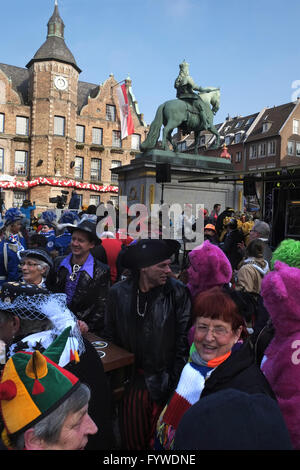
{"points": [[186, 86]]}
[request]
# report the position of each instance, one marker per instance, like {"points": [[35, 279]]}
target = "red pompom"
{"points": [[37, 388], [8, 390]]}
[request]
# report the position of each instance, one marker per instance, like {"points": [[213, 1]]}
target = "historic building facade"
{"points": [[59, 133], [265, 140]]}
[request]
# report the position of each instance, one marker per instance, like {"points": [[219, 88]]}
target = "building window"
{"points": [[238, 157], [181, 146], [79, 163], [266, 126], [97, 134], [116, 139], [297, 149], [250, 120], [22, 125], [237, 138], [96, 169], [238, 124], [272, 147], [94, 200], [1, 159], [1, 122], [19, 198], [115, 164], [110, 112], [135, 141], [80, 133], [20, 162], [59, 125], [262, 149], [291, 147], [227, 139], [252, 152], [296, 126]]}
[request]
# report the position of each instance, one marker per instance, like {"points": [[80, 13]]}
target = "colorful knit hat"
{"points": [[209, 267], [32, 386], [288, 252]]}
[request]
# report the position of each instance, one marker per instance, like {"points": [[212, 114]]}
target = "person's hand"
{"points": [[82, 326], [241, 246]]}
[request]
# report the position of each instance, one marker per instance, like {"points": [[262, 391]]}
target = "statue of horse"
{"points": [[188, 115]]}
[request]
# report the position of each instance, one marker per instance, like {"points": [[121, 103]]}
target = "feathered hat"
{"points": [[48, 218], [69, 217], [12, 215], [32, 386]]}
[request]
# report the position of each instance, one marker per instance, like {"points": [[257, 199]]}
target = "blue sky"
{"points": [[250, 49]]}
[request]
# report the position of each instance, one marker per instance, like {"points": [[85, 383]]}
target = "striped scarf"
{"points": [[187, 393]]}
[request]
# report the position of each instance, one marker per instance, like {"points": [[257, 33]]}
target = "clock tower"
{"points": [[53, 83]]}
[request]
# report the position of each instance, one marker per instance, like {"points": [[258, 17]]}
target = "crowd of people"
{"points": [[215, 338]]}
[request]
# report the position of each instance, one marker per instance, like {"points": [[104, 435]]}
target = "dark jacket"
{"points": [[239, 372], [89, 300], [230, 248], [159, 341], [90, 371]]}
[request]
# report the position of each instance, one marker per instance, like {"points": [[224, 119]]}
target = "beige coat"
{"points": [[251, 273]]}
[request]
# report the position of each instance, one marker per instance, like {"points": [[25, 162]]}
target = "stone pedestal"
{"points": [[137, 180]]}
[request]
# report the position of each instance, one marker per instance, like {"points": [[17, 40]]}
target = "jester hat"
{"points": [[33, 385]]}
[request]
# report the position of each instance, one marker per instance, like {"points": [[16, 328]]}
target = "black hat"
{"points": [[225, 414], [148, 252], [11, 290], [37, 253], [85, 226]]}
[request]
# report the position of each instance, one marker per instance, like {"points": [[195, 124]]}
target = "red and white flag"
{"points": [[127, 127]]}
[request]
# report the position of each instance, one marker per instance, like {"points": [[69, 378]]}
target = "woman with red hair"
{"points": [[221, 357]]}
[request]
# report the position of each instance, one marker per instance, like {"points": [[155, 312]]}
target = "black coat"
{"points": [[90, 371], [89, 300], [159, 340], [239, 372], [231, 249]]}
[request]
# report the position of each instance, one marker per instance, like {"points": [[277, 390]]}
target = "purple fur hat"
{"points": [[281, 296], [209, 267]]}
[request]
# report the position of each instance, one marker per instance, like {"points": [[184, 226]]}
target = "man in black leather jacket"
{"points": [[149, 314], [84, 279]]}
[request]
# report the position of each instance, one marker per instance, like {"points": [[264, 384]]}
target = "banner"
{"points": [[59, 183]]}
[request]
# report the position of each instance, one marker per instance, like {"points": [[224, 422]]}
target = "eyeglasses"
{"points": [[30, 264], [217, 331]]}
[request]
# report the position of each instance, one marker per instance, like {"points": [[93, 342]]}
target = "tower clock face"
{"points": [[61, 83]]}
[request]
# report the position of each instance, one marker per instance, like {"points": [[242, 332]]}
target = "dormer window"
{"points": [[266, 126], [250, 120], [238, 124], [228, 139]]}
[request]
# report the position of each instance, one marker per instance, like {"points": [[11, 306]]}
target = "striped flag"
{"points": [[127, 127]]}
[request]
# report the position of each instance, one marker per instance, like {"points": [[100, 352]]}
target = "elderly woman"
{"points": [[51, 413], [35, 266], [220, 358], [30, 319]]}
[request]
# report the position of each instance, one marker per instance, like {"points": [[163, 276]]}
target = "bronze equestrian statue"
{"points": [[189, 112]]}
